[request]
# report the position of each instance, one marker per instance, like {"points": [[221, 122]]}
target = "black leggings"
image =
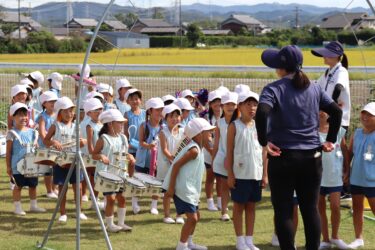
{"points": [[300, 171]]}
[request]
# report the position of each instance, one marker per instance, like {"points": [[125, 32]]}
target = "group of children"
{"points": [[174, 139]]}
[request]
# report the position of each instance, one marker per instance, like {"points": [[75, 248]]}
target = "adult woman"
{"points": [[291, 138]]}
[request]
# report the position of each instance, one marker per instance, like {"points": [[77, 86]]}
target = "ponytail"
{"points": [[300, 80], [210, 114], [147, 130], [104, 129], [235, 115], [344, 61]]}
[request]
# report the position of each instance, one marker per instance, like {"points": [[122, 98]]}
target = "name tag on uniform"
{"points": [[338, 154], [368, 156]]}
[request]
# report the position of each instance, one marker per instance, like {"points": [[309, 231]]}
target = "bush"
{"points": [[347, 37]]}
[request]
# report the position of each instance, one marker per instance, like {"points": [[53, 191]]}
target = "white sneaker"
{"points": [[82, 216], [37, 209], [225, 217], [324, 245], [180, 220], [114, 228], [275, 241], [19, 212], [154, 211], [63, 218], [252, 246], [211, 205], [169, 220], [356, 244], [194, 246], [125, 227], [85, 198], [242, 246], [339, 243], [136, 209], [52, 195]]}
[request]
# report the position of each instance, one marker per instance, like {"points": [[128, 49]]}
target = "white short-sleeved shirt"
{"points": [[338, 75]]}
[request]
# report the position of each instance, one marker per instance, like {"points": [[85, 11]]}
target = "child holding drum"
{"points": [[122, 86], [60, 133], [20, 140], [111, 142], [169, 137], [183, 181]]}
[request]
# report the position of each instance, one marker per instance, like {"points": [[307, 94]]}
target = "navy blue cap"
{"points": [[333, 49], [289, 57]]}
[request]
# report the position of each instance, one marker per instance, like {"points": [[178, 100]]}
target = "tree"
{"points": [[105, 27], [8, 28], [130, 19], [194, 34]]}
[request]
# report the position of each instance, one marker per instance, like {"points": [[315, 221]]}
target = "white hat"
{"points": [[104, 88], [111, 115], [18, 89], [63, 103], [243, 96], [241, 88], [155, 103], [93, 94], [86, 72], [183, 103], [27, 82], [229, 97], [132, 91], [122, 83], [216, 94], [196, 126], [36, 75], [56, 80], [223, 90], [168, 98], [370, 107], [15, 107], [169, 109], [48, 96], [186, 93], [92, 104]]}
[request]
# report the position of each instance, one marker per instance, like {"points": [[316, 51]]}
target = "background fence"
{"points": [[361, 91]]}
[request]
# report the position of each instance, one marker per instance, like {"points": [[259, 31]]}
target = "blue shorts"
{"points": [[327, 190], [142, 170], [246, 191], [60, 174], [22, 181], [369, 192], [183, 207], [221, 176]]}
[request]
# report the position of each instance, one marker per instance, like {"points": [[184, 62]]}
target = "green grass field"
{"points": [[148, 230], [173, 56]]}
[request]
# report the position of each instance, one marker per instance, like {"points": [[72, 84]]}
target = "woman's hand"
{"points": [[57, 145], [231, 181], [9, 172], [272, 149], [264, 182], [104, 159], [169, 193], [328, 146]]}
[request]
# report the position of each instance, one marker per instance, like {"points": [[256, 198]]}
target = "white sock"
{"points": [[17, 205], [134, 201], [249, 240], [210, 201], [33, 203], [240, 239], [154, 203], [190, 240], [109, 221], [121, 213], [181, 245], [219, 201]]}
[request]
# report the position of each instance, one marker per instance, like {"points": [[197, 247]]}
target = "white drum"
{"points": [[108, 182], [133, 187], [119, 169], [89, 161], [46, 156], [3, 145], [153, 185], [65, 159], [28, 168]]}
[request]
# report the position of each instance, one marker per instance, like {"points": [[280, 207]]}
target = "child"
{"points": [[148, 136], [107, 92], [85, 87], [188, 94], [111, 142], [331, 184], [247, 171], [55, 83], [168, 99], [239, 88], [213, 115], [186, 109], [228, 103], [18, 94], [122, 86], [183, 181], [362, 178], [90, 130], [37, 79], [45, 120], [60, 133], [169, 137], [20, 139]]}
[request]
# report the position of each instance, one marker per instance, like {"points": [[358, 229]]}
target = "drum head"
{"points": [[147, 179], [135, 182], [109, 176]]}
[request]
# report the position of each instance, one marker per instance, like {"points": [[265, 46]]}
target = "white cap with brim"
{"points": [[223, 90], [86, 71], [241, 88], [168, 98], [92, 104], [169, 109], [38, 76], [243, 96], [154, 103], [229, 97], [216, 94], [16, 89], [196, 126], [132, 91], [56, 80], [18, 105], [93, 94], [47, 96], [183, 104], [27, 82], [186, 93], [63, 103], [123, 83], [370, 107], [104, 88], [111, 115]]}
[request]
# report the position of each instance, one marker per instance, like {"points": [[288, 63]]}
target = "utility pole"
{"points": [[19, 20], [180, 22], [297, 10], [69, 15]]}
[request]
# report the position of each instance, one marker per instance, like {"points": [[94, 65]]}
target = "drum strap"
{"points": [[123, 138], [18, 137]]}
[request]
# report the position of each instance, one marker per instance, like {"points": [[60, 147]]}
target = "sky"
{"points": [[147, 3]]}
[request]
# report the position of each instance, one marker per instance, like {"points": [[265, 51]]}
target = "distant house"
{"points": [[344, 21], [162, 31], [217, 32], [81, 23], [58, 33], [116, 25], [126, 39], [236, 23], [24, 32], [156, 27], [30, 24]]}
